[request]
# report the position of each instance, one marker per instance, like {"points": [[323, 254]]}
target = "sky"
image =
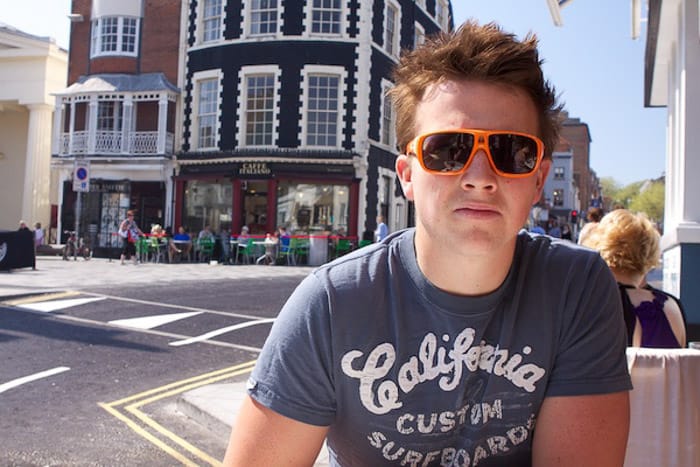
{"points": [[592, 61]]}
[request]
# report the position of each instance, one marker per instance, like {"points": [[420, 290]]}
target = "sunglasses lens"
{"points": [[513, 154], [446, 152]]}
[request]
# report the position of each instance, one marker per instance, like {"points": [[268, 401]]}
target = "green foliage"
{"points": [[645, 196], [650, 201]]}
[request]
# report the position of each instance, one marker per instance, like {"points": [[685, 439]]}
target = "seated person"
{"points": [[270, 255], [629, 243], [180, 243]]}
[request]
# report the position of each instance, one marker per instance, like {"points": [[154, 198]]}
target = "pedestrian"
{"points": [[38, 235], [382, 229], [130, 233], [449, 342]]}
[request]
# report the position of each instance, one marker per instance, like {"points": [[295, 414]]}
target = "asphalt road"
{"points": [[92, 377]]}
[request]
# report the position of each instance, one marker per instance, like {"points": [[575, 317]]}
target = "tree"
{"points": [[650, 201]]}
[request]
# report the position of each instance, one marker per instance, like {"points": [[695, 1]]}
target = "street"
{"points": [[91, 374]]}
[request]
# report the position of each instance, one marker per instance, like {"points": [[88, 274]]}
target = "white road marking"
{"points": [[217, 332], [55, 305], [150, 322], [26, 379]]}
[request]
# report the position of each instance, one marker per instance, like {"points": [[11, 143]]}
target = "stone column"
{"points": [[37, 169], [162, 122]]}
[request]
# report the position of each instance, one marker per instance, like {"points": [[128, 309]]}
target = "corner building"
{"points": [[118, 117], [286, 120]]}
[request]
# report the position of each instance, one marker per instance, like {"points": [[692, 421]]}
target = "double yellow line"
{"points": [[128, 410]]}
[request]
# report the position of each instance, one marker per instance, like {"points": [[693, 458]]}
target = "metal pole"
{"points": [[77, 225]]}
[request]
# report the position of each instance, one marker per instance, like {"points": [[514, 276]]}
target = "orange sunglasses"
{"points": [[511, 154]]}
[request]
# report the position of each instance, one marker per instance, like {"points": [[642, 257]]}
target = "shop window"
{"points": [[114, 35], [307, 208], [207, 203]]}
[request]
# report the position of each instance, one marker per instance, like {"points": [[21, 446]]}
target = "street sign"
{"points": [[81, 176]]}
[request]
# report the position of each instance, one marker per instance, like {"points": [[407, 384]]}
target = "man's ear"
{"points": [[404, 170], [542, 173]]}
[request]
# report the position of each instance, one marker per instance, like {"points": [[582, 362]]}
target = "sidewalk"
{"points": [[213, 406]]}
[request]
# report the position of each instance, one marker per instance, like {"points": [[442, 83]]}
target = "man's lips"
{"points": [[478, 210]]}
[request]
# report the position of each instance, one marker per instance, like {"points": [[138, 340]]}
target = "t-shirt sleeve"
{"points": [[293, 375], [591, 356]]}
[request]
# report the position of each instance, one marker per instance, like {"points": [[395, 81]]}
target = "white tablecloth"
{"points": [[665, 407]]}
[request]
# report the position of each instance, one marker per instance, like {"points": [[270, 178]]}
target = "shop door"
{"points": [[254, 207]]}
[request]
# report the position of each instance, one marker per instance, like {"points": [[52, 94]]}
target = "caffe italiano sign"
{"points": [[254, 169]]}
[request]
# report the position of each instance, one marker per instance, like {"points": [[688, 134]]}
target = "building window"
{"points": [[391, 29], [307, 208], [114, 35], [109, 116], [419, 36], [207, 106], [259, 109], [211, 20], [558, 197], [326, 17], [322, 110], [441, 13], [387, 124], [263, 17], [558, 173]]}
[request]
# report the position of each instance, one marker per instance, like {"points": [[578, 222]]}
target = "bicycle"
{"points": [[75, 247]]}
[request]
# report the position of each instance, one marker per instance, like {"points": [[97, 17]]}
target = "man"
{"points": [[464, 341], [382, 229]]}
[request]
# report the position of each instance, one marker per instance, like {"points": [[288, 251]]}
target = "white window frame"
{"points": [[197, 78], [421, 4], [243, 74], [385, 100], [309, 21], [313, 70], [248, 22], [97, 36], [396, 34], [202, 22], [443, 20], [418, 35]]}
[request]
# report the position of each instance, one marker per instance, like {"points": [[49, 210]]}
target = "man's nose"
{"points": [[479, 174]]}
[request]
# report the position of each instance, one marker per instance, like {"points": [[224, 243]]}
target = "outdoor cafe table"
{"points": [[665, 408]]}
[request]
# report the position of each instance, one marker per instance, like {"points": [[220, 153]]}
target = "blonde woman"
{"points": [[629, 243]]}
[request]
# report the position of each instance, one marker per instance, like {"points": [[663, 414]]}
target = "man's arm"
{"points": [[581, 431], [261, 436]]}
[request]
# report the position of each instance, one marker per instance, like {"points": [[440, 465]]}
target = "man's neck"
{"points": [[460, 273]]}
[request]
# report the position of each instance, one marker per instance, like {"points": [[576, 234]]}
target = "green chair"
{"points": [[301, 249], [342, 246], [287, 251], [244, 250], [142, 249], [364, 243], [206, 249]]}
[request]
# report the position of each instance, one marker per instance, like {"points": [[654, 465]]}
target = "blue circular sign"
{"points": [[82, 173]]}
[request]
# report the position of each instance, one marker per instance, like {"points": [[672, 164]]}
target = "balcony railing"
{"points": [[112, 143]]}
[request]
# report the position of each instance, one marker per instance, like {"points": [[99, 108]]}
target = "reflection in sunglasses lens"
{"points": [[447, 152], [514, 154]]}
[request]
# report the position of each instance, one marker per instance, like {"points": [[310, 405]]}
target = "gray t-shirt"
{"points": [[407, 374]]}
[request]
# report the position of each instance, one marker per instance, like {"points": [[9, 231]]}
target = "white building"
{"points": [[31, 69]]}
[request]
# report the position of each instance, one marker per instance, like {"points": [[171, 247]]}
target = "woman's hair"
{"points": [[627, 242], [477, 53], [594, 214], [130, 212]]}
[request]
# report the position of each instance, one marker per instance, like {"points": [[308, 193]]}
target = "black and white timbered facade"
{"points": [[285, 117]]}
